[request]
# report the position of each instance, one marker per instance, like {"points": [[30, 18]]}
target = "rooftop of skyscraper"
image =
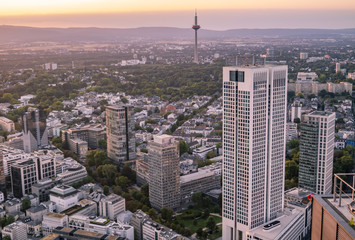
{"points": [[117, 107]]}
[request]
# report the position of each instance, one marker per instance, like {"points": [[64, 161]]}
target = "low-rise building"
{"points": [[84, 207], [111, 206], [202, 151], [153, 231], [291, 131], [13, 205], [61, 233], [37, 213], [42, 188], [78, 146], [72, 174], [101, 225], [306, 76], [7, 124], [202, 181], [16, 231], [34, 228], [137, 221], [53, 220], [64, 197]]}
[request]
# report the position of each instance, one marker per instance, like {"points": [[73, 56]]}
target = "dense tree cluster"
{"points": [[167, 81], [291, 164]]}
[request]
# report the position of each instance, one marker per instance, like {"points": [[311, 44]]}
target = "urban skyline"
{"points": [[152, 134]]}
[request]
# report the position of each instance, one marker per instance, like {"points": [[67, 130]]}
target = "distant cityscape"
{"points": [[169, 139]]}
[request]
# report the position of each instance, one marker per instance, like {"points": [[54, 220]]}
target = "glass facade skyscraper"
{"points": [[121, 144], [316, 152]]}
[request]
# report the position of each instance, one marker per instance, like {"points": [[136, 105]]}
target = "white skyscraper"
{"points": [[254, 128]]}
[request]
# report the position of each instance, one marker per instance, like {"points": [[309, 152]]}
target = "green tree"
{"points": [[6, 220], [294, 143], [26, 204], [90, 158], [199, 232], [167, 214], [102, 144], [197, 198], [183, 147], [100, 157], [340, 121], [122, 181], [107, 172], [152, 213], [129, 173], [291, 169], [124, 100], [290, 96], [145, 190], [210, 154], [57, 105], [103, 102], [106, 190], [300, 95], [211, 223]]}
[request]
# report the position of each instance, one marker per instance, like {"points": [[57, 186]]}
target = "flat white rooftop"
{"points": [[286, 221]]}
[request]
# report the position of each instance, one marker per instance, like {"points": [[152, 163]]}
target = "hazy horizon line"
{"points": [[209, 20], [203, 29]]}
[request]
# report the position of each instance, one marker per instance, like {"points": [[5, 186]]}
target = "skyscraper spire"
{"points": [[195, 27]]}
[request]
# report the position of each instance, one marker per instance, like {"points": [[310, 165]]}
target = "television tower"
{"points": [[195, 27]]}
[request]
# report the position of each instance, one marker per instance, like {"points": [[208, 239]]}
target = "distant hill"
{"points": [[32, 34]]}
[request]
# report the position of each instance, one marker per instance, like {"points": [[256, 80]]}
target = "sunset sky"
{"points": [[221, 14]]}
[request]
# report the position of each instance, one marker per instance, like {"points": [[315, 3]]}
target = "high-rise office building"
{"points": [[164, 172], [34, 128], [254, 128], [316, 152], [121, 144]]}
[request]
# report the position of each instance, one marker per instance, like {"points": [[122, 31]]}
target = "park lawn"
{"points": [[201, 223]]}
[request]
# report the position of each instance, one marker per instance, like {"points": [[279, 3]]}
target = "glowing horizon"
{"points": [[53, 7]]}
